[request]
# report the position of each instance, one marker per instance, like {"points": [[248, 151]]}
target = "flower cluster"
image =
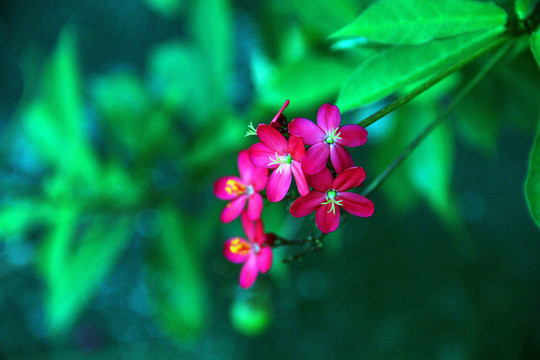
{"points": [[315, 155]]}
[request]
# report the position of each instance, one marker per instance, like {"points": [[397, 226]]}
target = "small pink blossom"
{"points": [[327, 139], [255, 252], [329, 194], [280, 121], [275, 152], [241, 190]]}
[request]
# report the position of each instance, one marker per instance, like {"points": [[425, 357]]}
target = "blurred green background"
{"points": [[116, 117]]}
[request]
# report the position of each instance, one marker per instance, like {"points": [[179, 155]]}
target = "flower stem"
{"points": [[442, 116], [432, 81]]}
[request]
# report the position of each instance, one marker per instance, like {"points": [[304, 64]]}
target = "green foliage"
{"points": [[391, 69], [55, 118], [175, 277], [167, 8], [251, 314], [75, 257], [524, 7], [430, 166], [406, 22], [322, 17], [211, 27], [308, 81], [532, 182], [535, 46], [17, 216]]}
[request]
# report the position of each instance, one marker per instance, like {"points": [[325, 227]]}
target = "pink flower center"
{"points": [[332, 136], [331, 199], [234, 187]]}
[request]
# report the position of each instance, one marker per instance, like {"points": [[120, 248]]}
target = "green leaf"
{"points": [[176, 279], [75, 258], [396, 67], [54, 121], [535, 46], [430, 166], [167, 8], [407, 22], [524, 7], [317, 15], [308, 81], [532, 182], [212, 28], [17, 216]]}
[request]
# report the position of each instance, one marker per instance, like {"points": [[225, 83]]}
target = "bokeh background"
{"points": [[117, 116]]}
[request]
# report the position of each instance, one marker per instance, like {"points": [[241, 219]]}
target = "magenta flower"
{"points": [[275, 152], [280, 120], [241, 190], [255, 252], [327, 139], [329, 194]]}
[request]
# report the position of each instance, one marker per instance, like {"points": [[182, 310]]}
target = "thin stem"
{"points": [[432, 81], [443, 116]]}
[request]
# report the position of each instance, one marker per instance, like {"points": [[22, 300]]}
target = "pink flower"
{"points": [[327, 139], [241, 190], [254, 252], [329, 194], [275, 152], [279, 121]]}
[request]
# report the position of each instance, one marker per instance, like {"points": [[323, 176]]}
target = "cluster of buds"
{"points": [[323, 170]]}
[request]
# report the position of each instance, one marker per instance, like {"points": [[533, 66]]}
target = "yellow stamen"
{"points": [[234, 187], [238, 246]]}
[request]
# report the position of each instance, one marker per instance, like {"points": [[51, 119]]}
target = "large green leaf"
{"points": [[175, 278], [418, 21], [75, 258], [532, 182], [535, 46], [54, 121], [212, 28], [306, 82], [388, 71], [524, 7]]}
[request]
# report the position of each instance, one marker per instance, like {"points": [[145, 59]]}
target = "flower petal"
{"points": [[280, 120], [279, 183], [264, 259], [255, 206], [341, 159], [326, 219], [328, 117], [272, 138], [310, 132], [261, 155], [321, 181], [245, 166], [296, 148], [316, 158], [236, 250], [228, 187], [349, 178], [352, 135], [252, 228], [233, 209], [249, 272], [259, 178], [300, 178], [356, 204], [305, 205]]}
